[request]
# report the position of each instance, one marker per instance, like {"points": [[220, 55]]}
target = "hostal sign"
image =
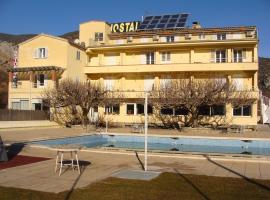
{"points": [[124, 27]]}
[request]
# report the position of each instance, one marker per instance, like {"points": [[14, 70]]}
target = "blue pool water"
{"points": [[176, 144]]}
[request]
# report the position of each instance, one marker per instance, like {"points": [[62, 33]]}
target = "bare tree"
{"points": [[191, 95], [74, 99]]}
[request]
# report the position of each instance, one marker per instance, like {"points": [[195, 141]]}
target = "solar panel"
{"points": [[164, 22]]}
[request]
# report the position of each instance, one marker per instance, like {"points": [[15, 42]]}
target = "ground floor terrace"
{"points": [[241, 177]]}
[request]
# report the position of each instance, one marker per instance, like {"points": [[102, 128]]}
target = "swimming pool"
{"points": [[173, 144]]}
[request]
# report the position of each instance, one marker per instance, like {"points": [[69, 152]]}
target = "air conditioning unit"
{"points": [[188, 36], [129, 39], [155, 37], [250, 33]]}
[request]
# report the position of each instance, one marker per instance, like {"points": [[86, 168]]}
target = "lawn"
{"points": [[166, 186]]}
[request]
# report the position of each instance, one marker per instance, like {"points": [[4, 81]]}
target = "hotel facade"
{"points": [[125, 57]]}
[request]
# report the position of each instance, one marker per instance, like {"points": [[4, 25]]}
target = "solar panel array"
{"points": [[164, 22]]}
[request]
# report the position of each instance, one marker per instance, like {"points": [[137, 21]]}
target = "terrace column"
{"points": [[31, 78], [157, 57], [255, 54], [54, 78], [229, 79], [191, 56], [122, 58], [157, 83], [123, 79], [255, 81], [100, 59], [229, 55]]}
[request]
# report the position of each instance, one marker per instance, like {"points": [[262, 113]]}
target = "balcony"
{"points": [[172, 67]]}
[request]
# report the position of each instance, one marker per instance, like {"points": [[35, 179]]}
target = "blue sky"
{"points": [[60, 16]]}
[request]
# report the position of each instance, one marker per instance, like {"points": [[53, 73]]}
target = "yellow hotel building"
{"points": [[125, 59]]}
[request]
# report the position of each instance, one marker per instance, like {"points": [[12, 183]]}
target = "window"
{"points": [[78, 55], [201, 36], [166, 56], [217, 110], [150, 58], [98, 37], [167, 111], [40, 80], [181, 111], [242, 111], [204, 110], [212, 110], [237, 55], [170, 39], [131, 109], [115, 109], [220, 56], [174, 111], [41, 53], [140, 109], [221, 36], [20, 105]]}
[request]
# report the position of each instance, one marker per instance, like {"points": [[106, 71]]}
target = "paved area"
{"points": [[25, 124], [97, 165]]}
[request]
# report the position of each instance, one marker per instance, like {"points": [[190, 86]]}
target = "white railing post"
{"points": [[145, 130]]}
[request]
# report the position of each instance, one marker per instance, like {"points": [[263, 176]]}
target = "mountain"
{"points": [[16, 39], [264, 76]]}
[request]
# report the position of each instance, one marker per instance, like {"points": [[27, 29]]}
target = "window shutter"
{"points": [[143, 59], [213, 56], [35, 53], [46, 52], [163, 39], [148, 83], [244, 54]]}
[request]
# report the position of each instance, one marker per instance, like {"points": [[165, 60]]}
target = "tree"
{"points": [[6, 55], [75, 99], [190, 95]]}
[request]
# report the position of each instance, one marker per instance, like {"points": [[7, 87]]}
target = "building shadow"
{"points": [[252, 181], [140, 162], [197, 189], [83, 165]]}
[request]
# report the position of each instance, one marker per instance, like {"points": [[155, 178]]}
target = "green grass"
{"points": [[166, 186]]}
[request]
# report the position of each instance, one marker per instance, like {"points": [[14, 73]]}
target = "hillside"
{"points": [[16, 39]]}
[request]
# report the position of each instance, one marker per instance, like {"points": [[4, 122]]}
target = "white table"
{"points": [[60, 153]]}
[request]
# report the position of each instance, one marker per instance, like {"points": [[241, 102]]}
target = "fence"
{"points": [[23, 115]]}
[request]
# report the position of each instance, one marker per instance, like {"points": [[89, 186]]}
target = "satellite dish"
{"points": [[77, 41]]}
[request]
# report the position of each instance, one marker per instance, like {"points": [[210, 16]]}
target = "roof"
{"points": [[53, 37], [36, 68], [140, 33]]}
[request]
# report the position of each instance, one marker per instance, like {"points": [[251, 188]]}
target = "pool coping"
{"points": [[166, 154], [186, 136]]}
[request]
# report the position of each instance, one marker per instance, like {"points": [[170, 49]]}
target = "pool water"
{"points": [[175, 144]]}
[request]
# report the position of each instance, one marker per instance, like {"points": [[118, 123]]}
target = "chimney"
{"points": [[196, 25]]}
